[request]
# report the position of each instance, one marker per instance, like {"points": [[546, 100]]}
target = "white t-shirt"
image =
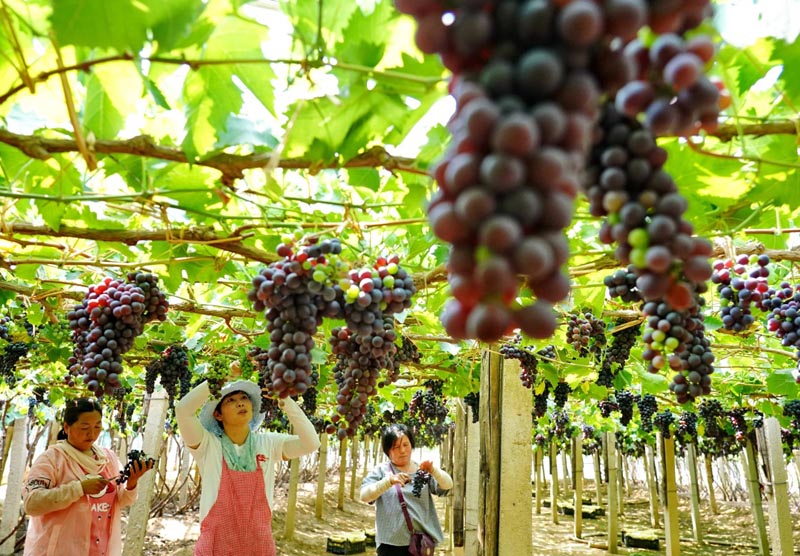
{"points": [[208, 455]]}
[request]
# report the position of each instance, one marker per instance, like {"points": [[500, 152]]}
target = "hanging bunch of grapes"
{"points": [[105, 324], [172, 368], [739, 292], [296, 292]]}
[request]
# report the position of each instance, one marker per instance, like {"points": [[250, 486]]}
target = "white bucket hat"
{"points": [[253, 392]]}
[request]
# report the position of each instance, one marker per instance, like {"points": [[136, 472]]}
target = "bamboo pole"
{"points": [[613, 491], [780, 516], [754, 491], [342, 472], [577, 450], [712, 497], [691, 462], [652, 488], [322, 475], [670, 496]]}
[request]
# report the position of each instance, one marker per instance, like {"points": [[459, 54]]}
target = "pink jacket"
{"points": [[60, 516]]}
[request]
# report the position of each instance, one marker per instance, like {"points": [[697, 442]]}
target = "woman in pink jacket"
{"points": [[71, 494]]}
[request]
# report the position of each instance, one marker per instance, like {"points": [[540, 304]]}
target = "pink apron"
{"points": [[240, 521], [102, 514]]}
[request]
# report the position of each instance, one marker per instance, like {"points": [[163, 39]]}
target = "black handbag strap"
{"points": [[402, 502]]}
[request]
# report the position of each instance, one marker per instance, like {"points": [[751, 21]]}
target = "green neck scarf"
{"points": [[243, 459]]}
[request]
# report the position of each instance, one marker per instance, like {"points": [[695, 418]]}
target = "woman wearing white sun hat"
{"points": [[237, 464]]}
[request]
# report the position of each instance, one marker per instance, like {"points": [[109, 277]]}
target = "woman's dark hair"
{"points": [[392, 433], [76, 408]]}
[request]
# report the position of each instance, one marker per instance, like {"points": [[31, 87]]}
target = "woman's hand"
{"points": [[426, 466], [399, 479], [138, 468], [94, 484]]}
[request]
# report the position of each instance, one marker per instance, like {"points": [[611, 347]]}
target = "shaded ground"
{"points": [[731, 533]]}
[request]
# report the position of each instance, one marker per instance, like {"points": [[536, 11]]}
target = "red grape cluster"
{"points": [[528, 362], [105, 324], [626, 182], [296, 293], [586, 333], [738, 292], [671, 88], [783, 318]]}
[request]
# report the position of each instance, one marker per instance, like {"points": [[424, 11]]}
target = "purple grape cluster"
{"points": [[648, 406], [172, 368], [105, 324], [738, 292]]}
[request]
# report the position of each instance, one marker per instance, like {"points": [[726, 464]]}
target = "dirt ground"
{"points": [[730, 533]]}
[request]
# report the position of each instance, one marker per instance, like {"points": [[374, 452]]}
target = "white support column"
{"points": [[515, 464], [472, 546], [140, 511], [17, 458], [291, 503], [780, 516], [756, 504], [652, 488], [183, 475], [671, 531]]}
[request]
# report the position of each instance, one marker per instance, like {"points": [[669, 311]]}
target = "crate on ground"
{"points": [[370, 535], [351, 543], [647, 538]]}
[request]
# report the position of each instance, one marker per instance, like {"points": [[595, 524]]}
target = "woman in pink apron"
{"points": [[70, 493], [237, 465]]}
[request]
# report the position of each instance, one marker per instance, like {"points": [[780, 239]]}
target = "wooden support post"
{"points": [[567, 472], [577, 450], [505, 458], [712, 497], [183, 475], [780, 516], [652, 488], [553, 482], [291, 502], [472, 546], [151, 444], [670, 495], [459, 474], [598, 476], [691, 463], [342, 472], [754, 491], [620, 485], [354, 469], [613, 491], [17, 458], [538, 459], [365, 469], [322, 474]]}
